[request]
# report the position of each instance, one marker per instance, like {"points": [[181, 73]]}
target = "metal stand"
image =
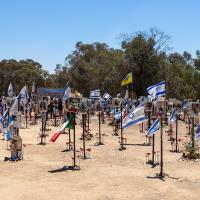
{"points": [[122, 145], [161, 174], [99, 136]]}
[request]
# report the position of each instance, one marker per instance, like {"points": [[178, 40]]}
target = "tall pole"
{"points": [[83, 120], [189, 122], [122, 137], [161, 148], [100, 128], [74, 140], [176, 133], [26, 112], [55, 117], [192, 133], [88, 112]]}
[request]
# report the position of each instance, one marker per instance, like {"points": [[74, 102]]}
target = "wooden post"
{"points": [[74, 141], [99, 137], [189, 122], [176, 133], [55, 123], [83, 121], [88, 112], [192, 133], [161, 175], [100, 128], [122, 147], [26, 112]]}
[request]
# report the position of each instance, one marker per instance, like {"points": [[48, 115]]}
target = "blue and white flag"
{"points": [[172, 117], [125, 101], [95, 94], [3, 121], [106, 96], [154, 128], [117, 115], [10, 90], [157, 90], [186, 105], [21, 99], [23, 95], [7, 135], [135, 117], [197, 135], [67, 93]]}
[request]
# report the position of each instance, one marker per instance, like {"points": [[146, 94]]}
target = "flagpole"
{"points": [[161, 175], [83, 121], [122, 139], [176, 132], [132, 85], [74, 141]]}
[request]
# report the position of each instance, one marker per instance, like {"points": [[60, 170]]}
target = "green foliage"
{"points": [[190, 152], [20, 73], [93, 66]]}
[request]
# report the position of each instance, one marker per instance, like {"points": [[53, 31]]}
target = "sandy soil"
{"points": [[109, 174]]}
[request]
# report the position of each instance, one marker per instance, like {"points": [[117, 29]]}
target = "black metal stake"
{"points": [[84, 120], [74, 141], [189, 122], [192, 133], [88, 112], [55, 123], [122, 147], [176, 133], [69, 140], [161, 175], [99, 137]]}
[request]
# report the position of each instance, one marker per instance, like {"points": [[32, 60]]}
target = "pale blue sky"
{"points": [[47, 30]]}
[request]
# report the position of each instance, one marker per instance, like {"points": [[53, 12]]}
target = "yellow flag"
{"points": [[77, 94], [127, 80]]}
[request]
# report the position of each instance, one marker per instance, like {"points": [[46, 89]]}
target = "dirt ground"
{"points": [[109, 174]]}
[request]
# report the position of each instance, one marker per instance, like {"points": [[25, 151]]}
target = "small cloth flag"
{"points": [[127, 80], [10, 90], [154, 128], [68, 124], [95, 94], [117, 115], [157, 90], [106, 96], [135, 117], [172, 117], [67, 93]]}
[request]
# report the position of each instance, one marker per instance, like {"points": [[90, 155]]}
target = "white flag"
{"points": [[10, 90], [157, 90], [135, 117], [67, 93]]}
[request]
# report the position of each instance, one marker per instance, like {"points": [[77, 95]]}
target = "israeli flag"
{"points": [[157, 90], [172, 118], [106, 96], [117, 115], [95, 94], [23, 96], [3, 120], [186, 105], [7, 135], [197, 135], [154, 128], [125, 101], [67, 93], [22, 99], [135, 117]]}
